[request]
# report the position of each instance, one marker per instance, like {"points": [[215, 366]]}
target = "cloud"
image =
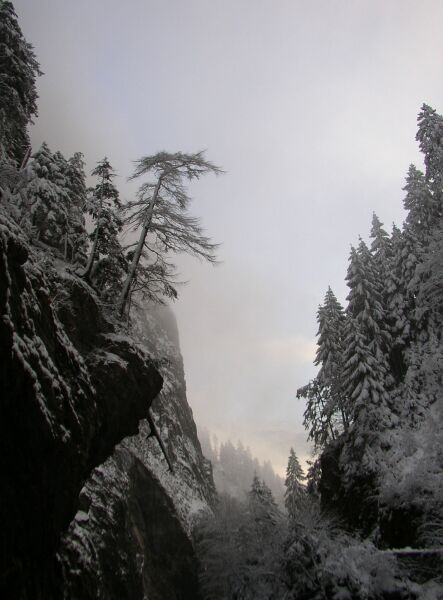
{"points": [[291, 350]]}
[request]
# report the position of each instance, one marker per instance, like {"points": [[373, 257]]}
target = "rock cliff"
{"points": [[74, 385]]}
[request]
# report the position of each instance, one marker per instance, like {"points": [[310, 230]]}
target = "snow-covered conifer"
{"points": [[75, 184], [262, 507], [380, 247], [423, 210], [325, 414], [295, 494], [104, 207], [18, 96], [47, 201], [366, 377], [430, 138]]}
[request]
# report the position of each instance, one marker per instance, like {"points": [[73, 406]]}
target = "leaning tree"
{"points": [[160, 211]]}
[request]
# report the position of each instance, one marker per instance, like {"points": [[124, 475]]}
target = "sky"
{"points": [[310, 107]]}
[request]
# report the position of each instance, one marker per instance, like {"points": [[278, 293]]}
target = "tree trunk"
{"points": [[138, 251]]}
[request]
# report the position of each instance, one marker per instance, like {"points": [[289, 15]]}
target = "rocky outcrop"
{"points": [[191, 486], [131, 536], [71, 390], [126, 540]]}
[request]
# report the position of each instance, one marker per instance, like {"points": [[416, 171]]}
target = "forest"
{"points": [[366, 519]]}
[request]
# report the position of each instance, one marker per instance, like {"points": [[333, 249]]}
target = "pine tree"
{"points": [[18, 96], [161, 210], [295, 494]]}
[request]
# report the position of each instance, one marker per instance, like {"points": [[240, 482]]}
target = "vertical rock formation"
{"points": [[80, 518], [130, 538]]}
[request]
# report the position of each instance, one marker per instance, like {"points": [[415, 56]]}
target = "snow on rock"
{"points": [[64, 405], [190, 486], [131, 537]]}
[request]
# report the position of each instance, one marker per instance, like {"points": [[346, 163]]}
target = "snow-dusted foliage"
{"points": [[383, 473], [107, 264], [326, 414], [323, 561], [18, 95], [240, 547], [295, 494]]}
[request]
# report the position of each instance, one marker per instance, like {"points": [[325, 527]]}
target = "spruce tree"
{"points": [[75, 183], [325, 414], [423, 210], [397, 307], [295, 494], [18, 96], [47, 201], [104, 207], [380, 247], [331, 324], [366, 378], [262, 508], [430, 138]]}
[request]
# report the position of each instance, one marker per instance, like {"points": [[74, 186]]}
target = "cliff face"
{"points": [[130, 538], [73, 387], [126, 540]]}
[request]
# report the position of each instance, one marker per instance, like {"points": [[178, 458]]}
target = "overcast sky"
{"points": [[310, 107]]}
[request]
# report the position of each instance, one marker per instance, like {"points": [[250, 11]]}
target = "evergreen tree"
{"points": [[104, 206], [47, 201], [161, 210], [71, 180], [317, 417], [295, 494], [423, 209], [222, 547], [380, 247], [366, 377], [396, 301], [325, 413], [262, 508], [76, 187], [18, 96], [331, 324], [263, 541], [430, 138]]}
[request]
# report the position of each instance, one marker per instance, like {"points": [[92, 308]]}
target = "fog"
{"points": [[309, 107]]}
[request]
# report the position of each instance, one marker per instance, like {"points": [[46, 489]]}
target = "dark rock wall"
{"points": [[130, 538], [126, 540], [71, 389]]}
